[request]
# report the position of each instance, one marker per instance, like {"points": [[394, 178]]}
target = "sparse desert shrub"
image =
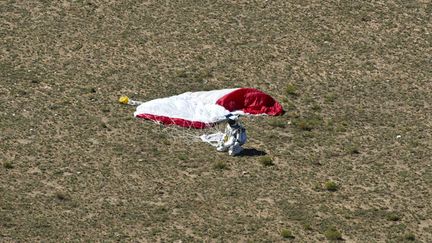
{"points": [[8, 165], [266, 161], [353, 149], [61, 196], [307, 124], [181, 73], [393, 216], [277, 123], [307, 226], [409, 237], [304, 125], [291, 89], [330, 98], [316, 107], [103, 125], [330, 186], [287, 234], [220, 165], [333, 234]]}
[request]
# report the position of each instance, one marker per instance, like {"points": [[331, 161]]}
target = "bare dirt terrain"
{"points": [[350, 160]]}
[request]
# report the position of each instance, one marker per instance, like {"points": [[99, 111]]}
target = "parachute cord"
{"points": [[187, 135]]}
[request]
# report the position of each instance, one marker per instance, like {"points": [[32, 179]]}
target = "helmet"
{"points": [[232, 119]]}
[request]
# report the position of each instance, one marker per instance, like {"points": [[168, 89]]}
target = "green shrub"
{"points": [[353, 149], [393, 216], [62, 196], [316, 107], [8, 165], [307, 226], [330, 186], [277, 123], [266, 161], [333, 234], [220, 165], [330, 98], [307, 124], [291, 89], [287, 234], [409, 237]]}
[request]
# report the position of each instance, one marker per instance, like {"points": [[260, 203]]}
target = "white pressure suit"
{"points": [[233, 139]]}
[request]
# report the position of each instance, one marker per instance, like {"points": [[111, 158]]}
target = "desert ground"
{"points": [[350, 160]]}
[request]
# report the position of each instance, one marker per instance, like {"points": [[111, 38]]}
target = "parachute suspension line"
{"points": [[188, 135], [179, 134]]}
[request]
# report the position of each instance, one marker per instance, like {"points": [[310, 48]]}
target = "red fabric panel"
{"points": [[252, 101], [177, 121]]}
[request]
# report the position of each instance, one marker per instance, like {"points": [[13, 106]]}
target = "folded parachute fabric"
{"points": [[204, 108]]}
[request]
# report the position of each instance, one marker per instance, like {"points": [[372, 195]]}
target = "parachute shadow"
{"points": [[252, 152]]}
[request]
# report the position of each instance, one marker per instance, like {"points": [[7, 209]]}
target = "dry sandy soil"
{"points": [[350, 159]]}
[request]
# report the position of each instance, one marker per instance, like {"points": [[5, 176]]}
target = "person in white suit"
{"points": [[233, 138]]}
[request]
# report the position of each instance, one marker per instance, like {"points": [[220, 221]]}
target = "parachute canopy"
{"points": [[204, 108]]}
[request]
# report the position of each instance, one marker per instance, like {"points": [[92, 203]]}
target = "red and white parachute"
{"points": [[205, 108]]}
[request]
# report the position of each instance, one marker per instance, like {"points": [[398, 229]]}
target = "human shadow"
{"points": [[252, 152]]}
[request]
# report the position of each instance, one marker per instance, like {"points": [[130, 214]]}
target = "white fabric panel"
{"points": [[193, 106], [212, 139]]}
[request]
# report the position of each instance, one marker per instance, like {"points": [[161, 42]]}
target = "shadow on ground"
{"points": [[252, 152]]}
